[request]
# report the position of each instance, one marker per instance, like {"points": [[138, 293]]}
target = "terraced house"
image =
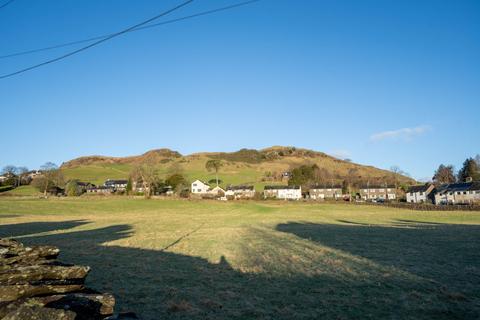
{"points": [[283, 192], [324, 192], [378, 192], [458, 193], [240, 192]]}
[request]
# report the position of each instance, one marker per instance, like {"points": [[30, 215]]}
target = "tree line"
{"points": [[446, 173]]}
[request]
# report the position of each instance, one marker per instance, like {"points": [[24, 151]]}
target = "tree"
{"points": [[51, 177], [470, 169], [129, 187], [177, 181], [72, 189], [147, 175], [444, 174], [214, 165], [396, 172]]}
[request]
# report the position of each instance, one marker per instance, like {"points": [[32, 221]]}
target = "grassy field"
{"points": [[262, 260]]}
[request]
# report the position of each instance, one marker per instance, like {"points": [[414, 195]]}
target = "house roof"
{"points": [[281, 187], [205, 183], [462, 186], [325, 187], [241, 188], [420, 188], [116, 181], [377, 187]]}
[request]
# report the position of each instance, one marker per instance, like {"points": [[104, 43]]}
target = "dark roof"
{"points": [[377, 187], [116, 182], [93, 187], [420, 188], [326, 187], [241, 188], [280, 187], [462, 186]]}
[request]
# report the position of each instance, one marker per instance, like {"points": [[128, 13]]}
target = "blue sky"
{"points": [[381, 82]]}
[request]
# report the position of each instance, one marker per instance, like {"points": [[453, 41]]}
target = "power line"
{"points": [[99, 41], [6, 4], [66, 44]]}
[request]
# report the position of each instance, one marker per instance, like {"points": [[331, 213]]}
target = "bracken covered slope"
{"points": [[246, 166]]}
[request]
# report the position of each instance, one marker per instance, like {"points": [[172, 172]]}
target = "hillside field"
{"points": [[262, 260], [240, 167]]}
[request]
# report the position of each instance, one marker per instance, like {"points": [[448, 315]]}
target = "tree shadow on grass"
{"points": [[28, 228], [297, 279], [447, 254]]}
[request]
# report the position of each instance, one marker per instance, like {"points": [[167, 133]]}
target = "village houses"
{"points": [[458, 193], [199, 187], [323, 192], [240, 192], [378, 192], [283, 192], [420, 194]]}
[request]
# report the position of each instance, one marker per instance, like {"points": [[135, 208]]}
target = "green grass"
{"points": [[178, 259], [23, 191]]}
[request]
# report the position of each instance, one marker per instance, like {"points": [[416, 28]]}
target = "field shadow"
{"points": [[29, 228], [447, 254], [159, 284]]}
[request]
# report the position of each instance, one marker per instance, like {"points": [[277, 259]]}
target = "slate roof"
{"points": [[111, 182], [281, 187], [326, 187], [420, 188], [462, 186], [251, 188]]}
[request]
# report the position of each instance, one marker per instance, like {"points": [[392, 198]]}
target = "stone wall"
{"points": [[35, 285]]}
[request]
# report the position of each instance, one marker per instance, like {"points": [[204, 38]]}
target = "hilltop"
{"points": [[246, 166]]}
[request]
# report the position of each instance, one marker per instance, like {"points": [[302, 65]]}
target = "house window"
{"points": [[199, 190], [194, 184], [411, 193], [421, 193], [464, 192]]}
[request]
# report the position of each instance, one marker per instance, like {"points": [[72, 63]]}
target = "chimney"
{"points": [[468, 179]]}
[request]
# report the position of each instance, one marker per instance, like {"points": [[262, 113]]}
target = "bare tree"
{"points": [[214, 165], [51, 177], [444, 174], [147, 175], [396, 172]]}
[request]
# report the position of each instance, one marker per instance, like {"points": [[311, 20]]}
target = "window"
{"points": [[411, 193], [199, 190], [458, 192], [194, 184], [421, 193], [464, 192]]}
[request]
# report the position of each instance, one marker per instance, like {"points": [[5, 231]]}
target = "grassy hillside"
{"points": [[166, 259], [241, 167]]}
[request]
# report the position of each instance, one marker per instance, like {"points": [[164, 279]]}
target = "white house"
{"points": [[199, 187], [217, 191], [419, 194], [283, 192], [458, 193]]}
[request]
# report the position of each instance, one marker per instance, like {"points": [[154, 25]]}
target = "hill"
{"points": [[246, 166]]}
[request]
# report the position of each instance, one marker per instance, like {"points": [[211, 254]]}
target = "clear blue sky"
{"points": [[381, 82]]}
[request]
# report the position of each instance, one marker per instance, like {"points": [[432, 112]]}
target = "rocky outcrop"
{"points": [[34, 285]]}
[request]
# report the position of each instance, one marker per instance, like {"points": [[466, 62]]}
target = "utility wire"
{"points": [[66, 44], [6, 4], [99, 41]]}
